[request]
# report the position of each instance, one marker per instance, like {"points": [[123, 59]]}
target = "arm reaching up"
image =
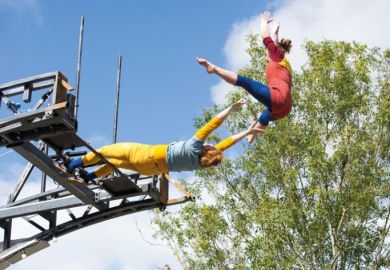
{"points": [[251, 131], [214, 123], [265, 19], [235, 106]]}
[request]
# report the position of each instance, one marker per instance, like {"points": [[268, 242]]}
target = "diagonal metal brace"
{"points": [[43, 162]]}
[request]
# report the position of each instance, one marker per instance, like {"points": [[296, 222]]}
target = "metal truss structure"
{"points": [[46, 135]]}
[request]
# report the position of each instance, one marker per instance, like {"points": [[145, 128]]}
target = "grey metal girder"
{"points": [[63, 203], [97, 217], [45, 164], [37, 207]]}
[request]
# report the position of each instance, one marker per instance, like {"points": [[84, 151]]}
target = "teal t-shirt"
{"points": [[184, 155]]}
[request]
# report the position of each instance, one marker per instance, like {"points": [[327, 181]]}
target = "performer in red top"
{"points": [[277, 95]]}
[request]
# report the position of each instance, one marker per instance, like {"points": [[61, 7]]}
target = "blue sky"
{"points": [[163, 88]]}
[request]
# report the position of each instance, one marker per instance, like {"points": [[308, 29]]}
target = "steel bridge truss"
{"points": [[36, 132]]}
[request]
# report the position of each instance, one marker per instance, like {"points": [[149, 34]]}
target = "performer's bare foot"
{"points": [[209, 66]]}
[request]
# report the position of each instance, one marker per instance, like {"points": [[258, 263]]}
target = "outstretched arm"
{"points": [[214, 123], [270, 43], [225, 113], [256, 125], [252, 130], [265, 19]]}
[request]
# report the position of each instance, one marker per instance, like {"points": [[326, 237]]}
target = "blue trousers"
{"points": [[260, 92]]}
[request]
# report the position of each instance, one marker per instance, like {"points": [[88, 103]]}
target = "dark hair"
{"points": [[286, 45]]}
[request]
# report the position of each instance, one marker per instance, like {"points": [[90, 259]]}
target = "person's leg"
{"points": [[228, 76], [136, 157], [264, 120], [259, 91], [105, 170], [115, 151]]}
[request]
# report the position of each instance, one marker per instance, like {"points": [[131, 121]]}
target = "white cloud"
{"points": [[24, 8], [111, 243], [220, 90], [348, 20]]}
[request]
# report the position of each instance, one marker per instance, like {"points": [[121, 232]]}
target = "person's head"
{"points": [[210, 157], [285, 45]]}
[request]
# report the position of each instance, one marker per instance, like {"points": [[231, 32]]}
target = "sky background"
{"points": [[162, 87]]}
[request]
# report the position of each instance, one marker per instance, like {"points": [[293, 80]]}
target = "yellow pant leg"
{"points": [[115, 151], [141, 156], [105, 170], [132, 156]]}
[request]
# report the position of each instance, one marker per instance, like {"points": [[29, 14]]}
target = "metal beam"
{"points": [[43, 162], [97, 217], [23, 178], [61, 192], [20, 184], [7, 226], [36, 83], [118, 88], [38, 207], [34, 116], [54, 193], [50, 216], [27, 93], [26, 247], [44, 176], [35, 224], [80, 53]]}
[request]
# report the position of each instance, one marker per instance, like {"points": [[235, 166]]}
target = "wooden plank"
{"points": [[164, 189]]}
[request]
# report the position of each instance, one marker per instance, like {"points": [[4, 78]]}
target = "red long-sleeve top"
{"points": [[278, 75]]}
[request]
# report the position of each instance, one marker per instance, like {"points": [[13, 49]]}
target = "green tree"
{"points": [[314, 191]]}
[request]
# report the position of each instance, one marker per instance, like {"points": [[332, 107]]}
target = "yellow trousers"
{"points": [[143, 158]]}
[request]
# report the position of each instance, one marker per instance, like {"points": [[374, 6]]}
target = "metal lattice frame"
{"points": [[55, 127]]}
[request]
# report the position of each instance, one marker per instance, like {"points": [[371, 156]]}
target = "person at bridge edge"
{"points": [[189, 155]]}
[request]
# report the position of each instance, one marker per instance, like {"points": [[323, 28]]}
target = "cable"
{"points": [[5, 153]]}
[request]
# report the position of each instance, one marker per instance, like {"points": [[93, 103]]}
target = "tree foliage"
{"points": [[314, 191]]}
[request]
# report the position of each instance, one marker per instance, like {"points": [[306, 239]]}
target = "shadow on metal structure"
{"points": [[46, 136]]}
